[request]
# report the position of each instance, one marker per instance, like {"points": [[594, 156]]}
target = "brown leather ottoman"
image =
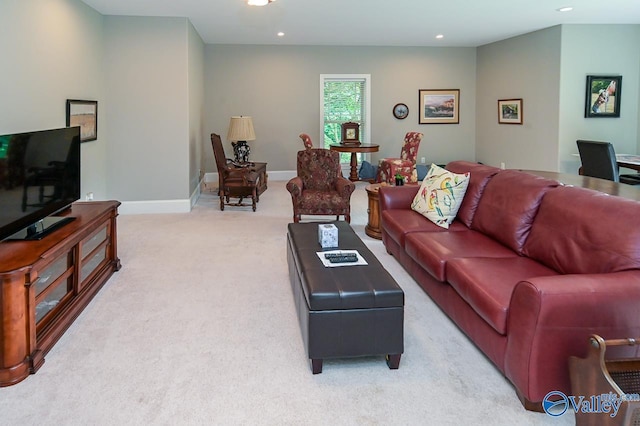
{"points": [[346, 311]]}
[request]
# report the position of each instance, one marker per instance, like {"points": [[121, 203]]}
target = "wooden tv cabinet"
{"points": [[45, 284]]}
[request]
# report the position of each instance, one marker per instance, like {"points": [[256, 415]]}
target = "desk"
{"points": [[261, 185], [602, 185], [629, 161], [354, 150]]}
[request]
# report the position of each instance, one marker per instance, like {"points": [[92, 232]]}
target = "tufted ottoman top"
{"points": [[345, 287]]}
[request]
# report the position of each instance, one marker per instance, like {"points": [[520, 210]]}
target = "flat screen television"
{"points": [[39, 177]]}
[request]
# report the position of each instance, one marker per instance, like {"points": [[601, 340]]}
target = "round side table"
{"points": [[373, 227]]}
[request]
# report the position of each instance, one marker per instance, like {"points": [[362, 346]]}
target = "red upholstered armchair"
{"points": [[319, 188], [405, 165]]}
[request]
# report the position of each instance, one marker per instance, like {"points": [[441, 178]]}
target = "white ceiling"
{"points": [[374, 22]]}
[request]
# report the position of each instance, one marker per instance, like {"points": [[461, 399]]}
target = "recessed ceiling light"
{"points": [[259, 2], [565, 9], [280, 34], [440, 36]]}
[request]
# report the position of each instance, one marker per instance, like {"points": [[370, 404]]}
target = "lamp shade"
{"points": [[241, 129]]}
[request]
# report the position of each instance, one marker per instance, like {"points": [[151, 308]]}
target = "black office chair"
{"points": [[599, 160]]}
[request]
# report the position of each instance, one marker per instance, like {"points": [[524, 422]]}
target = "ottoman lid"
{"points": [[344, 287]]}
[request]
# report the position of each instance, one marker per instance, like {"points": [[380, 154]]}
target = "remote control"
{"points": [[343, 258]]}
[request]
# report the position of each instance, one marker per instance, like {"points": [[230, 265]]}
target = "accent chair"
{"points": [[405, 165]]}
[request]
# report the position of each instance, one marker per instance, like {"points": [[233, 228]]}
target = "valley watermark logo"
{"points": [[556, 403]]}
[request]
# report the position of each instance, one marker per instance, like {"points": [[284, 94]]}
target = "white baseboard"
{"points": [[155, 206], [185, 206]]}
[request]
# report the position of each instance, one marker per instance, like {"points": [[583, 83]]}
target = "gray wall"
{"points": [[279, 86], [147, 93], [52, 51], [598, 50], [161, 92], [196, 108], [548, 69], [526, 67]]}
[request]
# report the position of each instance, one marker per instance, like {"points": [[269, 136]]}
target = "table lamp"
{"points": [[241, 131]]}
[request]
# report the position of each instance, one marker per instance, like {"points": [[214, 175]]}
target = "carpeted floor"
{"points": [[199, 327]]}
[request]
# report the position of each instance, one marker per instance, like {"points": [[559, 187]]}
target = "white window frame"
{"points": [[367, 105]]}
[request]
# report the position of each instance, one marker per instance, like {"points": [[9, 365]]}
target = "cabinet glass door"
{"points": [[93, 252], [53, 284]]}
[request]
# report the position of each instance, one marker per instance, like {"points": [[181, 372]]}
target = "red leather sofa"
{"points": [[529, 269]]}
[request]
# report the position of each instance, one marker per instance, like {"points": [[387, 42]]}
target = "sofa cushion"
{"points": [[398, 223], [581, 231], [508, 206], [432, 250], [486, 284], [440, 195], [478, 179]]}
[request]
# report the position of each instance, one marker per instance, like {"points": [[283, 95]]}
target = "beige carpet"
{"points": [[199, 327]]}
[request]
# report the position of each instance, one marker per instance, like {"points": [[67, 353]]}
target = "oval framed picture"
{"points": [[400, 111]]}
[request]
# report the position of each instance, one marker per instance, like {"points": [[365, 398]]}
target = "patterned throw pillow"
{"points": [[440, 195]]}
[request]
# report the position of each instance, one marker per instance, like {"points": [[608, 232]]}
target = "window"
{"points": [[344, 98]]}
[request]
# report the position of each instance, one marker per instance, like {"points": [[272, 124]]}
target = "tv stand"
{"points": [[46, 283], [41, 228]]}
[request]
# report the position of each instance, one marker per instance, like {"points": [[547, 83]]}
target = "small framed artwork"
{"points": [[510, 111], [83, 114], [439, 106], [350, 133], [603, 96]]}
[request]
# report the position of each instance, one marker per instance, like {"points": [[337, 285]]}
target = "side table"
{"points": [[373, 227], [354, 150]]}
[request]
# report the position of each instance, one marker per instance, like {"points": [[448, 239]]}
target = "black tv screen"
{"points": [[39, 176]]}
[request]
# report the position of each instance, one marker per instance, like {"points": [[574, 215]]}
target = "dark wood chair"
{"points": [[233, 181], [319, 188]]}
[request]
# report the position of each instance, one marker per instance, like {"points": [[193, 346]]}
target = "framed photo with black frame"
{"points": [[83, 114], [603, 96]]}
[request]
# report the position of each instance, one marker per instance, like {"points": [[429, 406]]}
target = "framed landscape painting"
{"points": [[510, 111], [83, 114], [603, 96], [440, 106]]}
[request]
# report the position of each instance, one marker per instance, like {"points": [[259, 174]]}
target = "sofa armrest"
{"points": [[397, 197], [551, 318]]}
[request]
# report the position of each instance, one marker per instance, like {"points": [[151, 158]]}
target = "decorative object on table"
{"points": [[399, 179], [603, 96], [441, 195], [439, 106], [510, 111], [83, 114], [319, 188], [306, 140], [405, 165], [350, 133], [327, 235], [400, 111], [241, 131], [236, 182]]}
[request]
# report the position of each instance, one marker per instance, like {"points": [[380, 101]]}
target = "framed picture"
{"points": [[510, 111], [603, 96], [83, 114], [439, 106]]}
